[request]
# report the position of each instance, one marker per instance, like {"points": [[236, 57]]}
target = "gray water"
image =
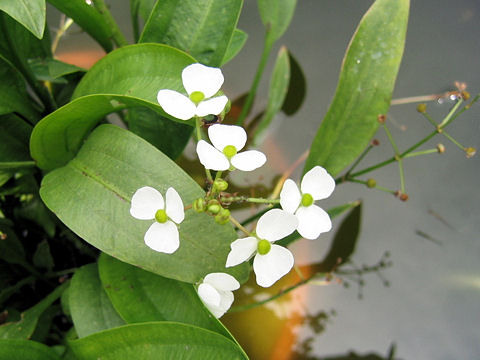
{"points": [[431, 308]]}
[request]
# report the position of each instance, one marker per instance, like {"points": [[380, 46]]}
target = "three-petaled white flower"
{"points": [[317, 184], [201, 83], [216, 292], [271, 261], [227, 140], [148, 204]]}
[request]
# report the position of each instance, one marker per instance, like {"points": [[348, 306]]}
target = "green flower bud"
{"points": [[220, 185], [470, 151], [264, 247], [371, 183], [307, 200], [223, 217], [161, 216], [200, 205], [421, 108], [214, 207]]}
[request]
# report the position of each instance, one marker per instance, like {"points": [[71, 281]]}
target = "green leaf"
{"points": [[141, 296], [238, 40], [52, 70], [11, 249], [276, 16], [278, 90], [365, 87], [88, 18], [111, 165], [135, 73], [25, 350], [140, 8], [25, 327], [29, 13], [297, 88], [34, 210], [156, 340], [202, 28], [14, 137], [42, 258], [167, 136], [89, 305]]}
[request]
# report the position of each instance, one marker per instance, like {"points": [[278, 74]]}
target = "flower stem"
{"points": [[449, 116], [249, 199], [267, 48], [65, 23], [117, 35], [375, 187], [239, 226], [360, 158], [449, 137], [423, 152], [198, 131]]}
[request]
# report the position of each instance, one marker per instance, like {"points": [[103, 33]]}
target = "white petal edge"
{"points": [[269, 268], [174, 206], [208, 294], [211, 106], [211, 158], [276, 224], [163, 238], [145, 203], [318, 183], [290, 196], [222, 281], [226, 300], [222, 135], [176, 104], [198, 77], [248, 160], [241, 250], [312, 221]]}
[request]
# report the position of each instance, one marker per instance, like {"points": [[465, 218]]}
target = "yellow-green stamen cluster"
{"points": [[263, 247], [230, 151], [161, 216], [307, 200], [197, 96]]}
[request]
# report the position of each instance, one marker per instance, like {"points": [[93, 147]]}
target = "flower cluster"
{"points": [[298, 211]]}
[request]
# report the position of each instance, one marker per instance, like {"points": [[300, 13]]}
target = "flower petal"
{"points": [[210, 157], [209, 295], [174, 206], [222, 135], [145, 203], [198, 77], [222, 281], [211, 106], [226, 300], [290, 196], [312, 221], [273, 265], [248, 160], [318, 183], [275, 224], [163, 237], [176, 104], [242, 250]]}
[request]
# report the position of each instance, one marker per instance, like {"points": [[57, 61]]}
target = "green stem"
{"points": [[402, 175], [198, 131], [117, 34], [423, 152], [375, 187], [249, 199], [267, 48], [449, 116], [360, 158], [239, 226], [449, 137]]}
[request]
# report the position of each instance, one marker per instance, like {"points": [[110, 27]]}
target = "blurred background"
{"points": [[426, 304]]}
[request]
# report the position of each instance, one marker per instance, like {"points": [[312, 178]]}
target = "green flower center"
{"points": [[161, 216], [263, 247], [197, 96], [307, 200], [229, 151]]}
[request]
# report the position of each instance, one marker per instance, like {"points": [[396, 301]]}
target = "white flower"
{"points": [[147, 204], [271, 261], [201, 83], [227, 140], [216, 292], [317, 184]]}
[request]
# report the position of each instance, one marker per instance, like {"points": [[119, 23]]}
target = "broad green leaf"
{"points": [[365, 87], [111, 165], [141, 296], [167, 136], [29, 13], [276, 16], [90, 308], [156, 340], [42, 258], [88, 18], [297, 87], [14, 98], [142, 9], [202, 28], [14, 138], [135, 73], [278, 90], [238, 40], [25, 350], [52, 70], [25, 327]]}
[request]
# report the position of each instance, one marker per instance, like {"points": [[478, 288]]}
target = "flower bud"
{"points": [[381, 118], [200, 205], [465, 95], [375, 142], [422, 108], [220, 185], [223, 217], [470, 151], [214, 207], [371, 183], [440, 148], [403, 197]]}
